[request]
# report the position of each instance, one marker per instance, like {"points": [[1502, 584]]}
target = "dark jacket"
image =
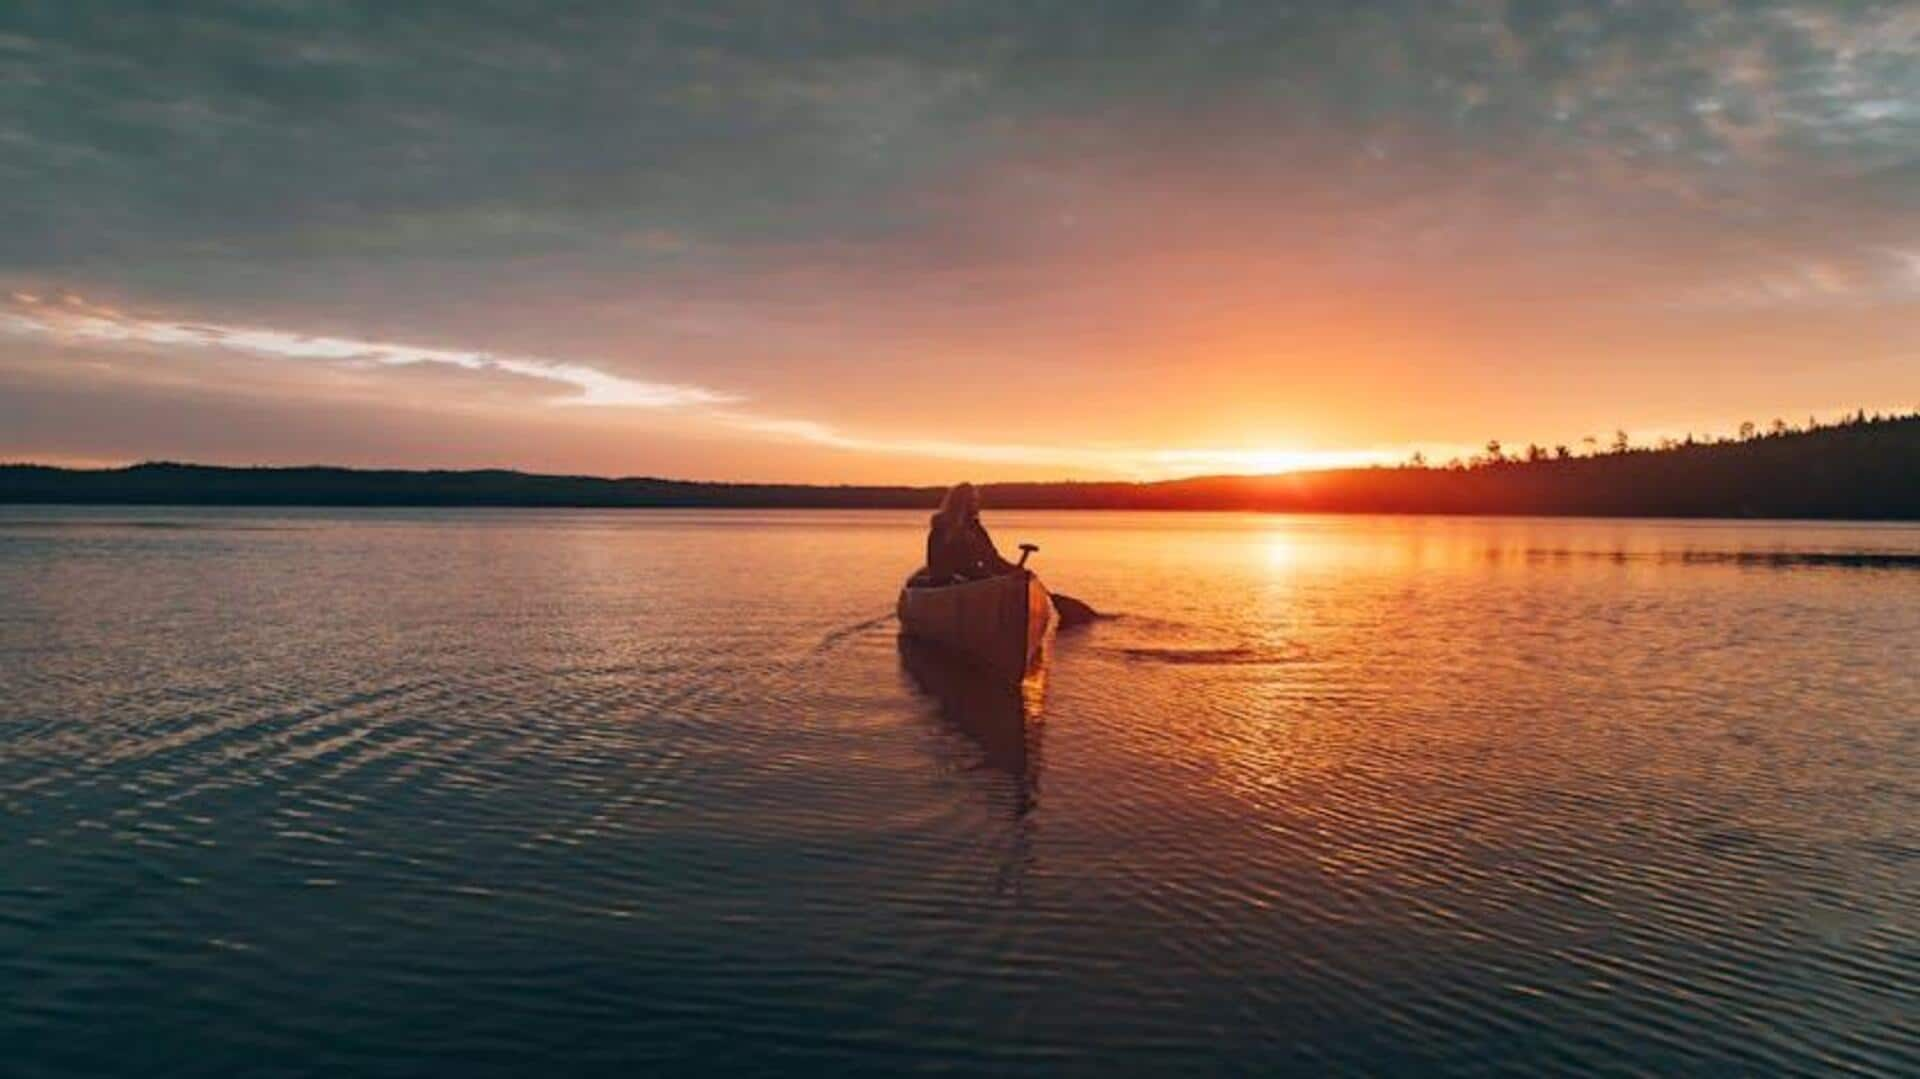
{"points": [[963, 550]]}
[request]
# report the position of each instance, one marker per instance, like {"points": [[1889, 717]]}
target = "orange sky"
{"points": [[944, 244]]}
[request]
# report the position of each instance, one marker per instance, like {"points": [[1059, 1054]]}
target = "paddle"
{"points": [[1072, 612]]}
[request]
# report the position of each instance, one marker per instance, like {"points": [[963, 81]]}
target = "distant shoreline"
{"points": [[1866, 469], [743, 509]]}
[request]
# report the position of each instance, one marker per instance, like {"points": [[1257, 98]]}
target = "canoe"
{"points": [[997, 624]]}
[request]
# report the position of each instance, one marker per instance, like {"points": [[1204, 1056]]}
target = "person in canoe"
{"points": [[958, 547]]}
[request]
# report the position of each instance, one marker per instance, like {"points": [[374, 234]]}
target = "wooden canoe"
{"points": [[998, 624]]}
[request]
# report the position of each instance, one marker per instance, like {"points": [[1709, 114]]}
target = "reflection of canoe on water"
{"points": [[994, 714], [997, 624], [999, 718]]}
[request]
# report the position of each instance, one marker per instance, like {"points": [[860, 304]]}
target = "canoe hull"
{"points": [[998, 624]]}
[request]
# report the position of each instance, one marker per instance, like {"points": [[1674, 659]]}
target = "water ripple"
{"points": [[506, 793]]}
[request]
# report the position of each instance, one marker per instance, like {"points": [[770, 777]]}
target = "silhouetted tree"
{"points": [[1493, 451], [1620, 443], [1536, 452], [1779, 426], [1562, 452], [1746, 431]]}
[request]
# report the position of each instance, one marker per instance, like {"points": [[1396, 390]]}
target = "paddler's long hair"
{"points": [[961, 504]]}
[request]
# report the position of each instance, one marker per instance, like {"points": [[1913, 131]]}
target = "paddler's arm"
{"points": [[986, 552]]}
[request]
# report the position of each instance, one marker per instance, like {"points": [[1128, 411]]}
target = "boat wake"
{"points": [[835, 638], [1243, 655], [1177, 643]]}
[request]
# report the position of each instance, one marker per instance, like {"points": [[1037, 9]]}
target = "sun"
{"points": [[1273, 460]]}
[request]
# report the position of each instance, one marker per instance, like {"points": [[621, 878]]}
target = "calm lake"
{"points": [[512, 792]]}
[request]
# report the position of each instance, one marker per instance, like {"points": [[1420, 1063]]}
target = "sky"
{"points": [[925, 241]]}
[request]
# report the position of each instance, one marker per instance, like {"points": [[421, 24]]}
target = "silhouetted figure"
{"points": [[957, 543]]}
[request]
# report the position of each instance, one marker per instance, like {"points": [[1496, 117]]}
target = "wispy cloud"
{"points": [[72, 318], [1137, 462], [1888, 276]]}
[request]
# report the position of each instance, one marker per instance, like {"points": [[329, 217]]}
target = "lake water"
{"points": [[514, 792]]}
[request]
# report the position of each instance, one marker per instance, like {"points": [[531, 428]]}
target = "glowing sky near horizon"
{"points": [[926, 241]]}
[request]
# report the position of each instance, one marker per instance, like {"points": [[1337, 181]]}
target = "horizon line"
{"points": [[1534, 454]]}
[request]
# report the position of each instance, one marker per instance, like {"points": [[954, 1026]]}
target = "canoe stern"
{"points": [[1000, 623]]}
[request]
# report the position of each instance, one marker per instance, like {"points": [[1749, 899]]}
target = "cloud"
{"points": [[69, 318], [72, 318], [1135, 462], [462, 131], [818, 205], [1887, 277]]}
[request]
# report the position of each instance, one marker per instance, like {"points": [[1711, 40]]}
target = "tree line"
{"points": [[1495, 452]]}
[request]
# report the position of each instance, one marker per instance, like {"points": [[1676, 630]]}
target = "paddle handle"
{"points": [[1026, 551]]}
